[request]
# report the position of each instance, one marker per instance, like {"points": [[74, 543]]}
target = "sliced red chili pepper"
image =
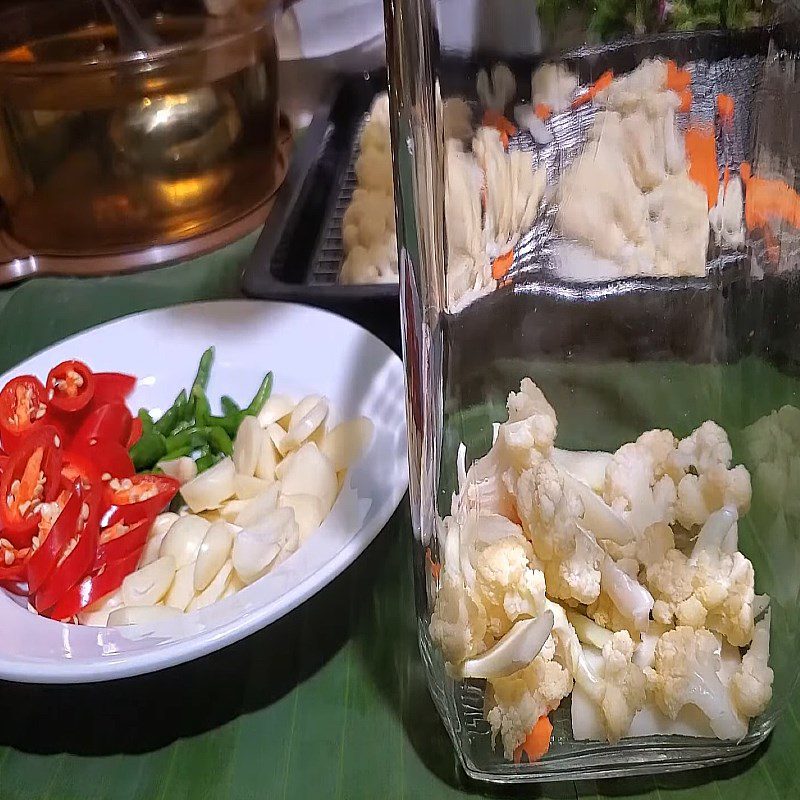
{"points": [[98, 462], [14, 567], [120, 540], [113, 387], [139, 497], [70, 386], [31, 477], [94, 587], [108, 423], [136, 432], [22, 409], [57, 526], [77, 556]]}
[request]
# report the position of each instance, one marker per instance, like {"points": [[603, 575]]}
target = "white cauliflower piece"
{"points": [[549, 512], [518, 701], [712, 588], [497, 91], [631, 91], [624, 604], [751, 685], [637, 485], [685, 672], [703, 459], [528, 434], [489, 580], [679, 226], [553, 85]]}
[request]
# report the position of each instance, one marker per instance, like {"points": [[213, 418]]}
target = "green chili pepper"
{"points": [[203, 371], [191, 437], [172, 416], [220, 441], [171, 455], [207, 461], [229, 406], [202, 409], [149, 450], [262, 395], [230, 424], [183, 425], [147, 420]]}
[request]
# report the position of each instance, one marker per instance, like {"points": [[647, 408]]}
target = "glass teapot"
{"points": [[597, 217]]}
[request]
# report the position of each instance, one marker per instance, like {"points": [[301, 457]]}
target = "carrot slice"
{"points": [[603, 82], [537, 743], [686, 98], [502, 264], [725, 106], [543, 111], [494, 119], [435, 569], [677, 79], [701, 150]]}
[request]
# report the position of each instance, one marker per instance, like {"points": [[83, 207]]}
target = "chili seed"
{"points": [[8, 557]]}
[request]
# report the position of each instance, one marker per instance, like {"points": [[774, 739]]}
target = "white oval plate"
{"points": [[309, 351]]}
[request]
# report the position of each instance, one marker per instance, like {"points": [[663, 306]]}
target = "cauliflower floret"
{"points": [[637, 485], [550, 512], [489, 580], [684, 672], [519, 700], [553, 85], [751, 685], [624, 604], [700, 495], [713, 588], [530, 431], [701, 465]]}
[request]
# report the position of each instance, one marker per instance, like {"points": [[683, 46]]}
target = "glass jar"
{"points": [[563, 225], [112, 141]]}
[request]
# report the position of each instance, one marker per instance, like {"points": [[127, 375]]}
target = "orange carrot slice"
{"points": [[745, 172], [686, 98], [677, 79], [725, 106], [502, 264], [494, 119], [435, 569], [603, 82], [543, 111], [701, 151], [537, 743]]}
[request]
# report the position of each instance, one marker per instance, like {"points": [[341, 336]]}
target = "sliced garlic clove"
{"points": [[231, 510], [211, 488], [280, 439], [98, 612], [308, 471], [213, 554], [158, 531], [233, 585], [308, 512], [513, 652], [255, 509], [181, 593], [148, 585], [214, 590], [267, 459], [256, 549], [247, 488], [277, 408], [183, 469], [347, 442], [183, 539], [309, 415], [141, 615], [247, 446]]}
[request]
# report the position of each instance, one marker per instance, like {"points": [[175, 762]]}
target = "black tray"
{"points": [[299, 254]]}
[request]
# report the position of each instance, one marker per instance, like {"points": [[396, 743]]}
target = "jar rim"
{"points": [[241, 25]]}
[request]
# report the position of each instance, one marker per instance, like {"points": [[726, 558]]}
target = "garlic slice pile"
{"points": [[244, 516]]}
